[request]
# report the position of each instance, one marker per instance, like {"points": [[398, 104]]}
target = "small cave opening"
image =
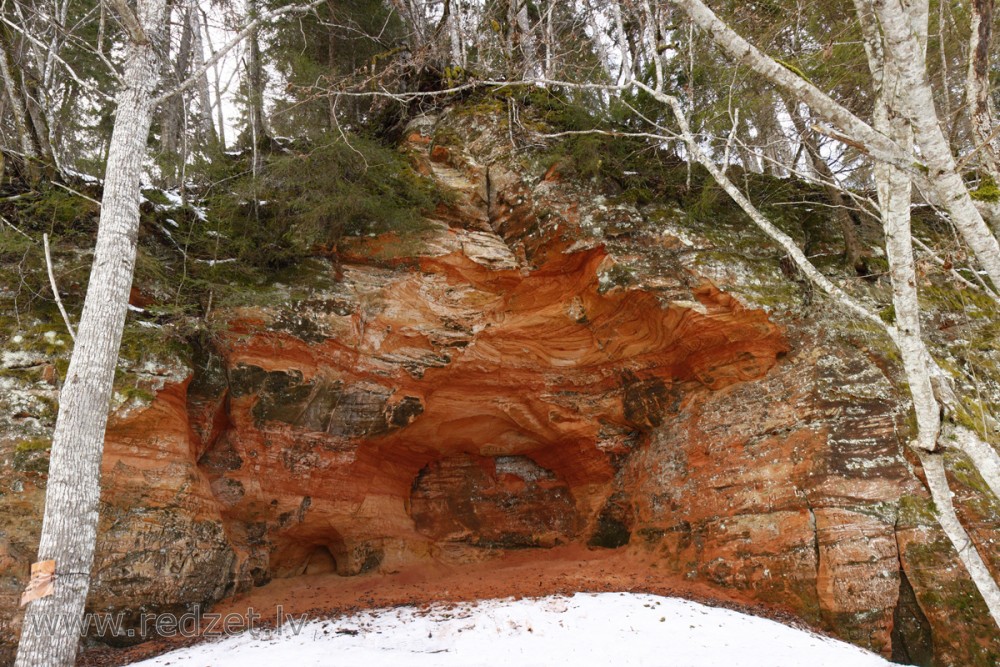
{"points": [[302, 558], [320, 561], [614, 524], [508, 502]]}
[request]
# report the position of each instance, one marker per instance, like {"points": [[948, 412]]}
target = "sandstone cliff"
{"points": [[540, 367]]}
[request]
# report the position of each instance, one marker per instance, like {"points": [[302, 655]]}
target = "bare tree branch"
{"points": [[235, 41], [129, 21], [55, 289]]}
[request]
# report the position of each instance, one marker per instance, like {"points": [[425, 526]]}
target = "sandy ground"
{"points": [[528, 573]]}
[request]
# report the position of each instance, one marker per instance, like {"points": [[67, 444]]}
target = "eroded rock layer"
{"points": [[469, 405], [494, 387]]}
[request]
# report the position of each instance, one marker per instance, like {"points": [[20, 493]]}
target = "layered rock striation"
{"points": [[495, 385]]}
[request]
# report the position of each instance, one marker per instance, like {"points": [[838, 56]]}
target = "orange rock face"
{"points": [[476, 406], [504, 392]]}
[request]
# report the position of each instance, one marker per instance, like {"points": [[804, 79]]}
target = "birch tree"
{"points": [[977, 86], [26, 141], [69, 528], [895, 37], [935, 172]]}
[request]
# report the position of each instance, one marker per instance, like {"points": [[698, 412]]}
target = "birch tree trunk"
{"points": [[917, 100], [895, 193], [18, 111], [255, 87], [525, 40], [72, 495], [455, 41], [941, 182], [977, 85], [208, 135], [172, 111], [216, 83]]}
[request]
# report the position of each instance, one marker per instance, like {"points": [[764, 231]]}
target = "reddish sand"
{"points": [[528, 573]]}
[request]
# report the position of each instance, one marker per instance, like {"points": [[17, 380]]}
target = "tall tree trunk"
{"points": [[216, 85], [841, 209], [25, 137], [206, 127], [456, 42], [651, 39], [943, 57], [331, 66], [917, 100], [255, 84], [977, 86], [895, 194], [72, 494], [35, 103], [548, 40], [172, 113], [528, 45], [942, 183]]}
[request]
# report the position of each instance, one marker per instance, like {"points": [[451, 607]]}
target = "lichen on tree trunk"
{"points": [[73, 490]]}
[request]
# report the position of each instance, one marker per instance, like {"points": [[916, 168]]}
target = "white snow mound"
{"points": [[585, 629]]}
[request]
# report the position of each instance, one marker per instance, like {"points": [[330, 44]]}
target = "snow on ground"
{"points": [[585, 629]]}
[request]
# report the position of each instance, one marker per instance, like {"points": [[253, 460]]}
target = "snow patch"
{"points": [[585, 629]]}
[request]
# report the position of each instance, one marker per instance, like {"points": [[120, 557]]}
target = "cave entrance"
{"points": [[493, 501], [299, 558]]}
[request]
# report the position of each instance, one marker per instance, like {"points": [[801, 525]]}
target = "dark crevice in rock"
{"points": [[912, 642], [645, 400], [614, 524]]}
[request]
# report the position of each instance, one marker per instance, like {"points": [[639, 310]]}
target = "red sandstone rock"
{"points": [[456, 421]]}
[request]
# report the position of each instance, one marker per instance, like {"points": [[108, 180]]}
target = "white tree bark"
{"points": [[937, 482], [455, 41], [942, 182], [204, 98], [73, 491], [549, 41], [626, 69], [650, 37], [18, 110], [948, 188], [528, 45], [895, 194], [977, 85]]}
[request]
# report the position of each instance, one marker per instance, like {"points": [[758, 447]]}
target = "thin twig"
{"points": [[75, 192], [14, 227], [55, 290], [955, 274]]}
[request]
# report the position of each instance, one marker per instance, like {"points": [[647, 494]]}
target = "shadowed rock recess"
{"points": [[536, 367]]}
